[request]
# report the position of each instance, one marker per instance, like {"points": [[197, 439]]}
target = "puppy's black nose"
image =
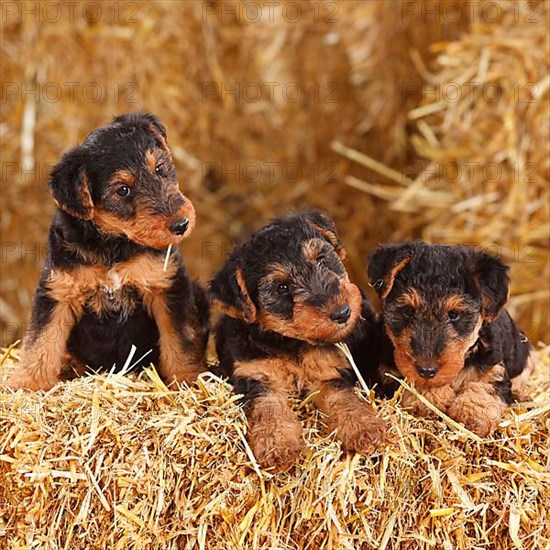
{"points": [[179, 227], [427, 371], [341, 314]]}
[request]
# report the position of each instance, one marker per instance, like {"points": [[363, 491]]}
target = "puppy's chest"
{"points": [[112, 296], [118, 289], [312, 367]]}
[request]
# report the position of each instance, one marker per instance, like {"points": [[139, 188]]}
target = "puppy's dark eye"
{"points": [[453, 315], [123, 191], [283, 288], [378, 284], [159, 169], [321, 260]]}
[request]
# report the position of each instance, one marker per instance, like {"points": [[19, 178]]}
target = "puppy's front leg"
{"points": [[45, 344], [180, 360], [274, 434], [478, 404], [183, 331], [478, 407], [348, 416], [441, 397]]}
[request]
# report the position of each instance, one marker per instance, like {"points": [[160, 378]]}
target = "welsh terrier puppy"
{"points": [[445, 328], [287, 299], [103, 287]]}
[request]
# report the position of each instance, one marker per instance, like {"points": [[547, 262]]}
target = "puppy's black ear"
{"points": [[321, 223], [142, 119], [69, 185], [229, 292], [492, 278], [155, 123], [385, 263]]}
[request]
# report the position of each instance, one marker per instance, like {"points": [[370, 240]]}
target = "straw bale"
{"points": [[115, 461]]}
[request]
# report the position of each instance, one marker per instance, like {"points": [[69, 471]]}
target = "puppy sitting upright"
{"points": [[445, 328], [103, 287], [287, 299]]}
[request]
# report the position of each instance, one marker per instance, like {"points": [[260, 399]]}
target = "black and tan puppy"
{"points": [[446, 329], [103, 287], [287, 300]]}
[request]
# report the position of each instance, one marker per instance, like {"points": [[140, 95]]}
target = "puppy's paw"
{"points": [[20, 381], [361, 432], [441, 397], [276, 446], [22, 378], [478, 410], [179, 377]]}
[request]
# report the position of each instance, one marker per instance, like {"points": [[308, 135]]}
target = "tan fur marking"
{"points": [[454, 303], [41, 364], [249, 309], [402, 353], [410, 298], [441, 397], [390, 277], [122, 177], [478, 407], [313, 324], [227, 309], [331, 237], [351, 418], [151, 160], [312, 248], [176, 364], [106, 289], [277, 273], [496, 373], [145, 228], [85, 197], [274, 434], [450, 362], [162, 141], [281, 374]]}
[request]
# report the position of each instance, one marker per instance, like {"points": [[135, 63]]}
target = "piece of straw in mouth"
{"points": [[168, 250]]}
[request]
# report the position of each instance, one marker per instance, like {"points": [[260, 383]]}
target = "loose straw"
{"points": [[345, 350]]}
